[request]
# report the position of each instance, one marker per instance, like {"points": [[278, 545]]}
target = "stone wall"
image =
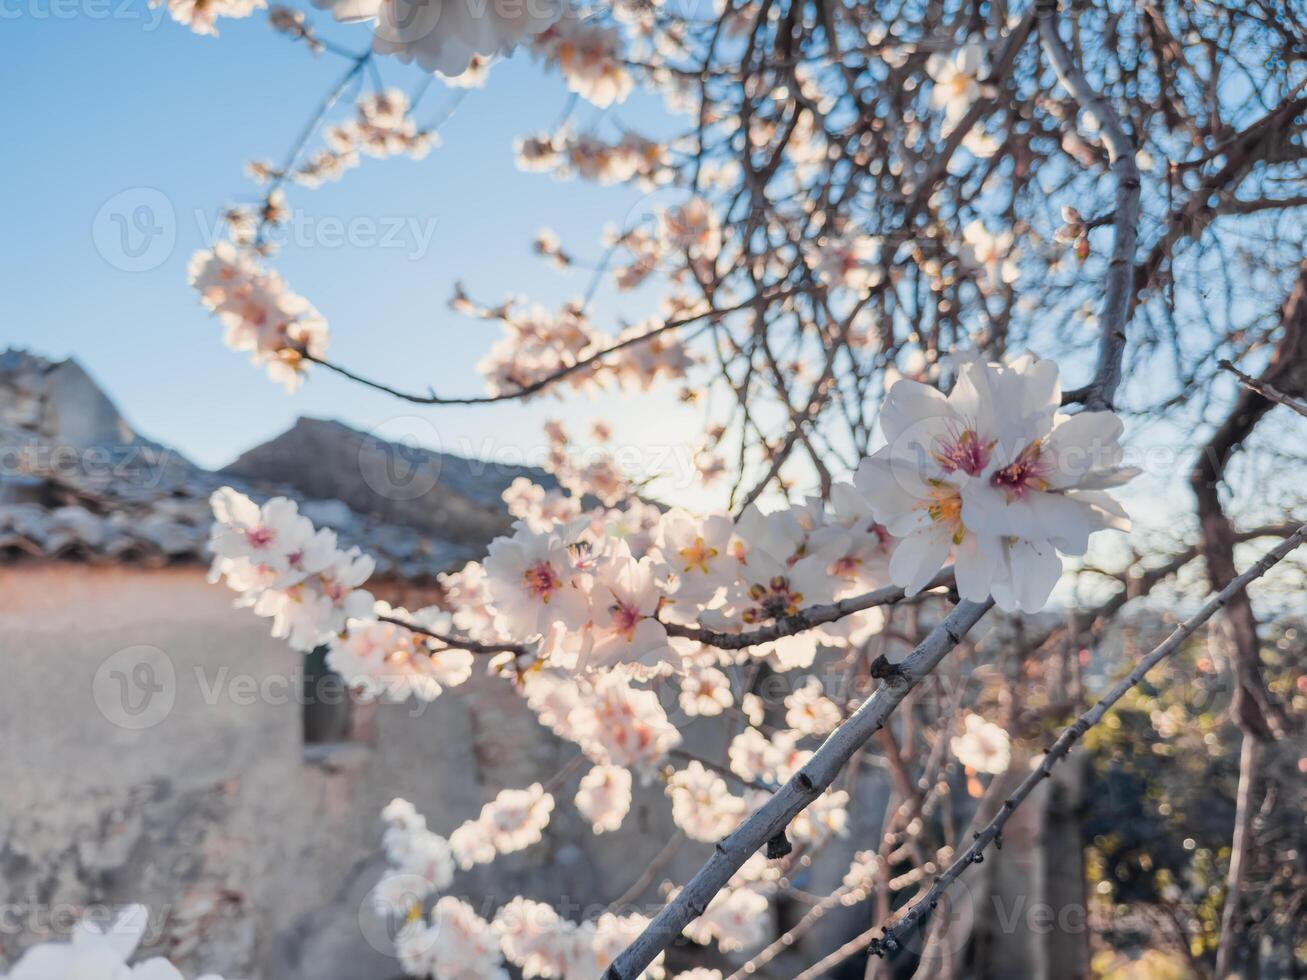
{"points": [[201, 803]]}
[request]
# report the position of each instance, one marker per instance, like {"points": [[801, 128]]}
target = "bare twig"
{"points": [[804, 619], [458, 642], [919, 910], [590, 360], [1267, 391]]}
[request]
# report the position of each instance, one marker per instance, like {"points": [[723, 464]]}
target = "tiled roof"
{"points": [[77, 484]]}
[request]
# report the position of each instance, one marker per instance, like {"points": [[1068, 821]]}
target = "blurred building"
{"points": [[159, 746]]}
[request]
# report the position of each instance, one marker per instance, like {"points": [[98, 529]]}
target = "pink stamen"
{"points": [[625, 618], [966, 452], [259, 538], [1025, 473], [541, 580]]}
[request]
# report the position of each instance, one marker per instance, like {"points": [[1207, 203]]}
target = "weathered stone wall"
{"points": [[255, 861]]}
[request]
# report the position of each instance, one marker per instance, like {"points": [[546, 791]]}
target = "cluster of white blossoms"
{"points": [[382, 659], [611, 719], [541, 943], [601, 611], [447, 36], [538, 344], [590, 56], [95, 953], [455, 943], [996, 476], [201, 16], [567, 154], [992, 475], [421, 861], [982, 746], [261, 315], [283, 568], [562, 348], [512, 821], [382, 128]]}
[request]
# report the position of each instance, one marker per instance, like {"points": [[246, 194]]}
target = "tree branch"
{"points": [[590, 360], [806, 785], [1101, 391], [457, 642], [1267, 391], [804, 619], [919, 910]]}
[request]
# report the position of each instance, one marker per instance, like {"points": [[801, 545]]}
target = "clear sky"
{"points": [[109, 105]]}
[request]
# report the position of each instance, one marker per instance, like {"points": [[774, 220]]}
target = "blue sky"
{"points": [[119, 106], [112, 105]]}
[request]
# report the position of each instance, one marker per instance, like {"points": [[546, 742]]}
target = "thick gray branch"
{"points": [[771, 819], [1101, 391]]}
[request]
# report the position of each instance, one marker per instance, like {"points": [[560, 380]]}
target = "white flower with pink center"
{"points": [[693, 557], [705, 692], [624, 598], [956, 80], [777, 575], [995, 475], [267, 535], [702, 804], [809, 712], [534, 583]]}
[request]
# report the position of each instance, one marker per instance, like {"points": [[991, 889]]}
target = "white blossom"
{"points": [[982, 746]]}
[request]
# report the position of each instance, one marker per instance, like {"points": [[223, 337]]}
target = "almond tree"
{"points": [[932, 270]]}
